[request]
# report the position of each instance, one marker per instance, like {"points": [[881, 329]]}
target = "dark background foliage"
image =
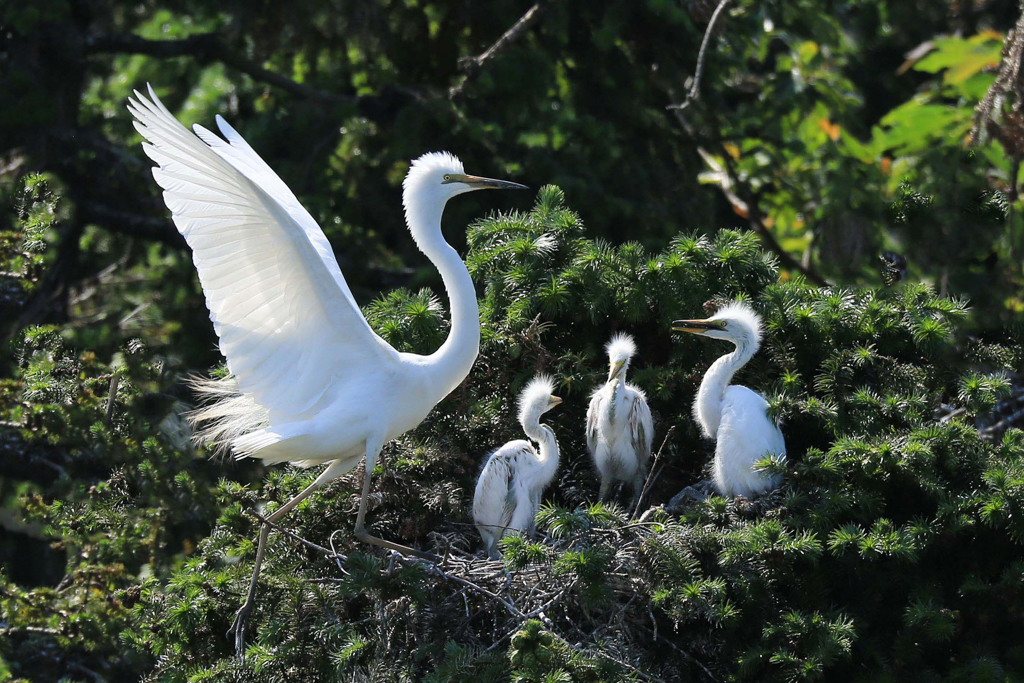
{"points": [[824, 135]]}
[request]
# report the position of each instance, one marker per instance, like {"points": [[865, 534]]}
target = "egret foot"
{"points": [[403, 549], [238, 626]]}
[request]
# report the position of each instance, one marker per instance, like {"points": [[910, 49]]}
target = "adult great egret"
{"points": [[733, 415], [509, 488], [619, 424], [311, 383]]}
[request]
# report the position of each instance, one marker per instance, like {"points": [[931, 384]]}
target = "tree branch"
{"points": [[744, 201], [694, 92], [205, 48], [471, 65], [146, 227]]}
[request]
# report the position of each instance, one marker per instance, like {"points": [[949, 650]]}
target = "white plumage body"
{"points": [[735, 416], [745, 435], [514, 477], [619, 433], [508, 492], [620, 428], [310, 380], [311, 383]]}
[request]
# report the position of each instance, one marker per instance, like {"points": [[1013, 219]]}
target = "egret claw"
{"points": [[238, 627]]}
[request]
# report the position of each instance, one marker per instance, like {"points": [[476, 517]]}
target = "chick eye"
{"points": [[725, 324], [447, 177]]}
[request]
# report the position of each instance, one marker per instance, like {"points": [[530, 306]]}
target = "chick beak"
{"points": [[555, 400], [614, 370], [695, 326]]}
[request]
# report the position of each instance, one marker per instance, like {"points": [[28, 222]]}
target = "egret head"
{"points": [[620, 349], [736, 322], [537, 398], [440, 175]]}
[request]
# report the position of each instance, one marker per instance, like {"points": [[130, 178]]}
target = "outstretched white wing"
{"points": [[287, 322]]}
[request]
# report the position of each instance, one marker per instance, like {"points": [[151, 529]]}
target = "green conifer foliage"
{"points": [[892, 552]]}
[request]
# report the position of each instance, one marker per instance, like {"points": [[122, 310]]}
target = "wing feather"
{"points": [[641, 426], [592, 420], [287, 321]]}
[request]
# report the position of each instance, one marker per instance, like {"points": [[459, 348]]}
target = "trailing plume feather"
{"points": [[225, 415]]}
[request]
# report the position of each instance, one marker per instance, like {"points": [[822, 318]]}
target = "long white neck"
{"points": [[548, 452], [450, 364], [708, 406], [616, 398]]}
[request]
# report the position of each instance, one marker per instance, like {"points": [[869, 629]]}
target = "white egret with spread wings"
{"points": [[310, 383], [735, 416]]}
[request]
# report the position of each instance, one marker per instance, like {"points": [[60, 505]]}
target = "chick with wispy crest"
{"points": [[508, 491], [620, 428]]}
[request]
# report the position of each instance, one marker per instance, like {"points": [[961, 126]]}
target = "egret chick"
{"points": [[735, 416], [311, 383], [619, 424], [508, 492]]}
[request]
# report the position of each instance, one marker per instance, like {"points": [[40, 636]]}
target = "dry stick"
{"points": [[472, 65], [115, 381], [654, 465], [294, 535], [431, 567], [695, 88]]}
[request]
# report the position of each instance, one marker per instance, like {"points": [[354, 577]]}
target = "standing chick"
{"points": [[508, 492], [735, 416], [619, 424]]}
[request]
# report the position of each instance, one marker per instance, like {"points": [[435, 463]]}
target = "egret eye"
{"points": [[724, 324], [447, 177]]}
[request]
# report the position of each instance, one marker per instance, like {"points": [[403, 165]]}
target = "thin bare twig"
{"points": [[694, 92], [654, 465], [292, 534]]}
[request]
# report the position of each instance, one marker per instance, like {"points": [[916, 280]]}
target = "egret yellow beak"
{"points": [[697, 326], [614, 370], [555, 401], [478, 183]]}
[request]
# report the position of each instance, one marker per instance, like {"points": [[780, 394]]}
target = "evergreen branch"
{"points": [[686, 655], [471, 66]]}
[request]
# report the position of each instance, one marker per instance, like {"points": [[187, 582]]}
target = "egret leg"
{"points": [[371, 459], [606, 490], [237, 630], [638, 489]]}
